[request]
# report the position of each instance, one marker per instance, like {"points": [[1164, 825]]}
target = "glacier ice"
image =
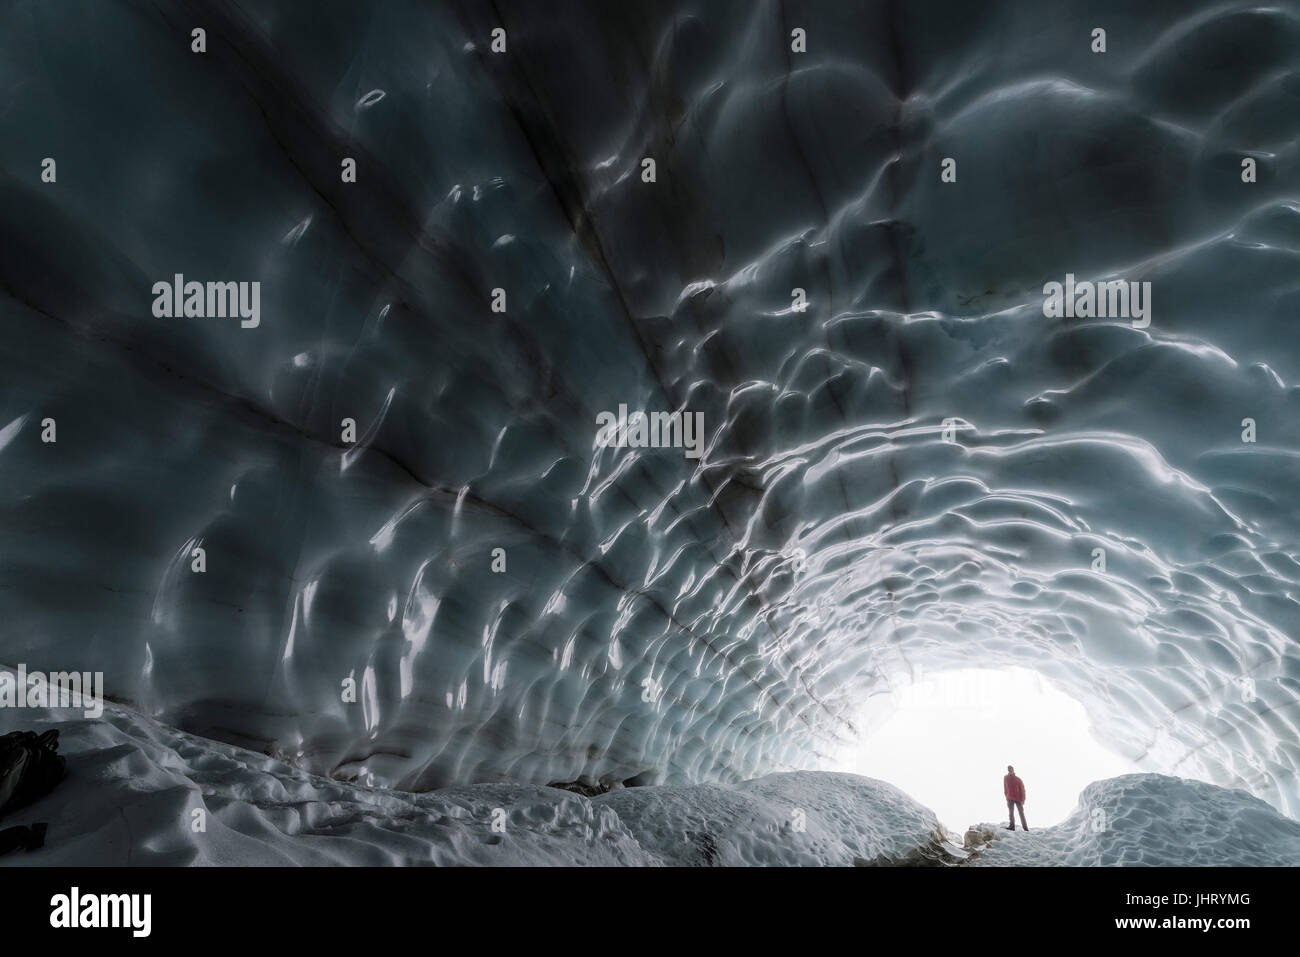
{"points": [[917, 469]]}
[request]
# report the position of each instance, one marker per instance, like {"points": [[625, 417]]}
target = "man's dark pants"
{"points": [[1012, 807]]}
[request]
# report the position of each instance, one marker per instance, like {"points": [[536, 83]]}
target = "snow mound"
{"points": [[1153, 820], [796, 818], [135, 791], [133, 788], [139, 793]]}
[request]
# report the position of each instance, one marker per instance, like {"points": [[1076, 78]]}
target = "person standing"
{"points": [[1014, 790]]}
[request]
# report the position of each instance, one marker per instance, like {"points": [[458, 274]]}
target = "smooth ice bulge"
{"points": [[374, 536]]}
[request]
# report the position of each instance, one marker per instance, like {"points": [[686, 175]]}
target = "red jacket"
{"points": [[1013, 788]]}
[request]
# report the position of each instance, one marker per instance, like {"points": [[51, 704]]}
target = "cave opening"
{"points": [[947, 737]]}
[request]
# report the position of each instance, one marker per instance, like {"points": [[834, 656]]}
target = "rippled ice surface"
{"points": [[660, 619]]}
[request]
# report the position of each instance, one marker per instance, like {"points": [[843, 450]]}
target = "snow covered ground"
{"points": [[1156, 820], [797, 818], [137, 792]]}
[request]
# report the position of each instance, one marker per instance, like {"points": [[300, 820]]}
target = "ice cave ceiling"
{"points": [[917, 470]]}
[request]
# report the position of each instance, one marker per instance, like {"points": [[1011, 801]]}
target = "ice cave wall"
{"points": [[659, 618]]}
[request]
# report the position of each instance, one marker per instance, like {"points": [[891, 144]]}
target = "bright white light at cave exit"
{"points": [[954, 733]]}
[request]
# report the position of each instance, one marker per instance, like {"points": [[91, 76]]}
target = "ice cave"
{"points": [[533, 432]]}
